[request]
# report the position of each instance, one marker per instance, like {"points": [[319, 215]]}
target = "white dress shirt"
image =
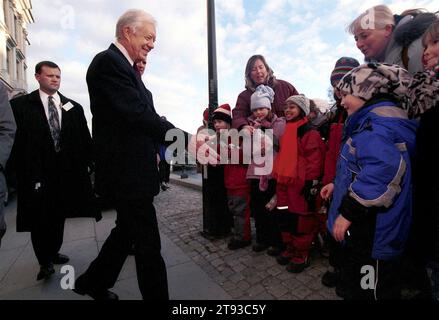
{"points": [[124, 52], [56, 99]]}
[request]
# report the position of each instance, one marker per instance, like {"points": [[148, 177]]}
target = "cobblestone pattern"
{"points": [[242, 273]]}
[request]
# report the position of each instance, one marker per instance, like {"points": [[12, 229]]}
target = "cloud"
{"points": [[48, 40], [273, 6], [231, 8], [301, 41]]}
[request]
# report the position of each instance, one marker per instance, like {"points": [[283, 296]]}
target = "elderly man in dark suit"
{"points": [[52, 159], [126, 131], [7, 133]]}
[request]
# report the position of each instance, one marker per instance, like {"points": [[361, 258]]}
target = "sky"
{"points": [[301, 40]]}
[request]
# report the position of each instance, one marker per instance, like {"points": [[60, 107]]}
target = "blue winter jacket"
{"points": [[374, 173]]}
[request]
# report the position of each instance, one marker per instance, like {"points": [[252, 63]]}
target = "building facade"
{"points": [[15, 15]]}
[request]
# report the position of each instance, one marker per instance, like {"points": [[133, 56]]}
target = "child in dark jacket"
{"points": [[336, 119], [217, 220], [424, 98], [297, 170]]}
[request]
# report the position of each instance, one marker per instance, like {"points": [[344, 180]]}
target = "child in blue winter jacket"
{"points": [[371, 207]]}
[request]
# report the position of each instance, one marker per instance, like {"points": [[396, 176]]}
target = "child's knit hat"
{"points": [[342, 66], [206, 114], [224, 113], [372, 78], [263, 97], [301, 101]]}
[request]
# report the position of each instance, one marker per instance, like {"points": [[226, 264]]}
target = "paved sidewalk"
{"points": [[198, 269]]}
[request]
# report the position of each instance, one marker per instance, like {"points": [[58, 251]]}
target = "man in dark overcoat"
{"points": [[52, 160], [126, 132]]}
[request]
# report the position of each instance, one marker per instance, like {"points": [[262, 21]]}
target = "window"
{"points": [[16, 29], [18, 69], [8, 59]]}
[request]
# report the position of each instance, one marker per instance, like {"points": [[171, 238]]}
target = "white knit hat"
{"points": [[263, 97]]}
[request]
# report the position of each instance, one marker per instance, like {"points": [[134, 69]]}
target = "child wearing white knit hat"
{"points": [[263, 186]]}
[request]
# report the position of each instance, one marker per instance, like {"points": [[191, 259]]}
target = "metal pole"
{"points": [[215, 221], [211, 51]]}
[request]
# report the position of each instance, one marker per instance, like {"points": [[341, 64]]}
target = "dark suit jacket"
{"points": [[64, 177], [126, 128]]}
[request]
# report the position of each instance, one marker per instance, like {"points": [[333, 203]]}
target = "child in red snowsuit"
{"points": [[237, 186], [297, 170]]}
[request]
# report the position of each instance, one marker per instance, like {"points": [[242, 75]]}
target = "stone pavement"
{"points": [[243, 274], [198, 269]]}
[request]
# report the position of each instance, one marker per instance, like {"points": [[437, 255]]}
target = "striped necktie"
{"points": [[55, 129]]}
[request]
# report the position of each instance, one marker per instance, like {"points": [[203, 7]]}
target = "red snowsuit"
{"points": [[238, 196], [332, 153], [300, 230]]}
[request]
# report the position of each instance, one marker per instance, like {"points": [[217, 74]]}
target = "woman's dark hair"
{"points": [[431, 34], [249, 83]]}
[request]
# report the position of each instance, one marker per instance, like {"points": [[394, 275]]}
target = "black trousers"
{"points": [[47, 237], [217, 219], [136, 224], [335, 258], [164, 171], [359, 268], [267, 228]]}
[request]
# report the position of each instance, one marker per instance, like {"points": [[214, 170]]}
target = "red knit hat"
{"points": [[224, 113], [206, 114]]}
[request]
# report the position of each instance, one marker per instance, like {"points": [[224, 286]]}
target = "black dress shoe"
{"points": [[60, 259], [330, 279], [283, 260], [297, 267], [273, 251], [102, 294], [45, 272], [237, 244], [96, 294], [259, 247]]}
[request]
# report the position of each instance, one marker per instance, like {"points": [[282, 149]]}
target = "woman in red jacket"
{"points": [[297, 170]]}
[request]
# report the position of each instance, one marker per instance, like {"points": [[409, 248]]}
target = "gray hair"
{"points": [[133, 18], [377, 17]]}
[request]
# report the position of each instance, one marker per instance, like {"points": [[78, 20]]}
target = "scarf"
{"points": [[286, 162]]}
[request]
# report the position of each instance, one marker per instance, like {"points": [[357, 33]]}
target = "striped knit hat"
{"points": [[223, 112], [342, 66]]}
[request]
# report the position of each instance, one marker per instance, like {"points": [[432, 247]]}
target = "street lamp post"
{"points": [[211, 51], [216, 218]]}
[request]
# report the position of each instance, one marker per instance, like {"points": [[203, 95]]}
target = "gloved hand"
{"points": [[309, 189], [309, 192]]}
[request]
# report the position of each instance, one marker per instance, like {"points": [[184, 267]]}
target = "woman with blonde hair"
{"points": [[395, 39]]}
